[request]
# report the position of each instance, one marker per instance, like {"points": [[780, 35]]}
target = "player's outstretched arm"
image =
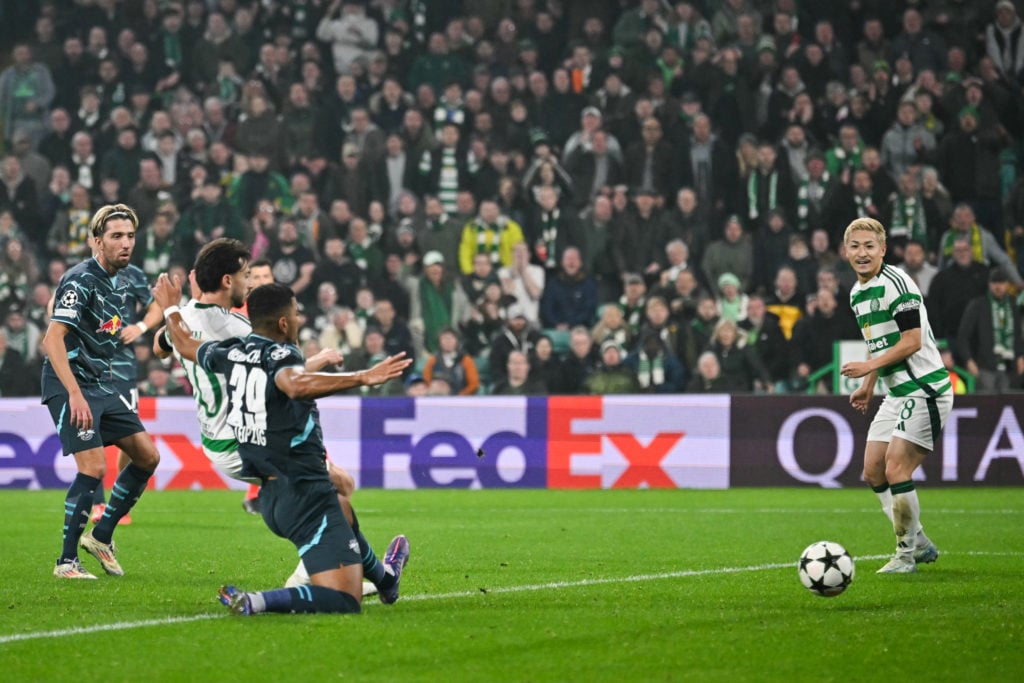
{"points": [[321, 360], [301, 385], [389, 368], [167, 294]]}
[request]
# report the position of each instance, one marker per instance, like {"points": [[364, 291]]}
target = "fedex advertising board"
{"points": [[538, 442]]}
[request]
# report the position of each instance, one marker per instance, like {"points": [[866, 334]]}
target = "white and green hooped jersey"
{"points": [[875, 302], [209, 322]]}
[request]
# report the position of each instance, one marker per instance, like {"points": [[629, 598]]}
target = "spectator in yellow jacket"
{"points": [[489, 233]]}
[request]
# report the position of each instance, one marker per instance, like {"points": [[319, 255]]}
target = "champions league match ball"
{"points": [[826, 569]]}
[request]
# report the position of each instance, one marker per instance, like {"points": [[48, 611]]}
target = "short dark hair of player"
{"points": [[261, 263], [105, 214], [267, 303], [219, 257]]}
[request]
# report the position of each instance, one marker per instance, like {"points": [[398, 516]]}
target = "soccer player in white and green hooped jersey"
{"points": [[902, 354]]}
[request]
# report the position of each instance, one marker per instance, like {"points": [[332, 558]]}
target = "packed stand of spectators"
{"points": [[530, 196]]}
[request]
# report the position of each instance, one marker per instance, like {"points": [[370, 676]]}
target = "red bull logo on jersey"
{"points": [[112, 326]]}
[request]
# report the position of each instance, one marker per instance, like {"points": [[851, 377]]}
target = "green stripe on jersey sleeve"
{"points": [[867, 295]]}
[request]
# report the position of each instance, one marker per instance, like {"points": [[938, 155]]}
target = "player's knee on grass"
{"points": [[350, 604], [345, 580], [327, 601]]}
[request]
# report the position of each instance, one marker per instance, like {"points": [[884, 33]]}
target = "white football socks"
{"points": [[906, 513], [257, 602], [885, 498]]}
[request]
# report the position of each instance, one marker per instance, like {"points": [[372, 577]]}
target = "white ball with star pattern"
{"points": [[826, 569]]}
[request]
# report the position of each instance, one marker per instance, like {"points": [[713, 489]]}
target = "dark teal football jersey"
{"points": [[277, 436], [97, 306]]}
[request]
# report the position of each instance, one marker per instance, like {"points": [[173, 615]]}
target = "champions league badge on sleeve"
{"points": [[66, 305]]}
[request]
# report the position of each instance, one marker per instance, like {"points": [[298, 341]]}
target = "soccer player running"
{"points": [[86, 384], [272, 411], [903, 355], [222, 277]]}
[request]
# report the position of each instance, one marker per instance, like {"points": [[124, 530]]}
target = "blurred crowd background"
{"points": [[530, 196]]}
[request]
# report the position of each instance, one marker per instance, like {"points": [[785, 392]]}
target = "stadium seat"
{"points": [[559, 340]]}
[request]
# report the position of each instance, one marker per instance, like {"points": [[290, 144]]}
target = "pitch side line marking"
{"points": [[650, 510], [733, 511], [119, 626], [128, 625], [627, 579]]}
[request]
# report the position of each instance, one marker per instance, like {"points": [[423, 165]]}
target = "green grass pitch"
{"points": [[531, 586]]}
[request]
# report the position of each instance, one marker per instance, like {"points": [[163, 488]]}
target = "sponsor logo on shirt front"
{"points": [[112, 326], [876, 344], [239, 356]]}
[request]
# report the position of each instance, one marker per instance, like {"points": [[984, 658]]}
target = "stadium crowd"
{"points": [[530, 196]]}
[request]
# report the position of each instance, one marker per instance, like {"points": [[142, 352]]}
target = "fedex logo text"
{"points": [[637, 442], [558, 442], [406, 444]]}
